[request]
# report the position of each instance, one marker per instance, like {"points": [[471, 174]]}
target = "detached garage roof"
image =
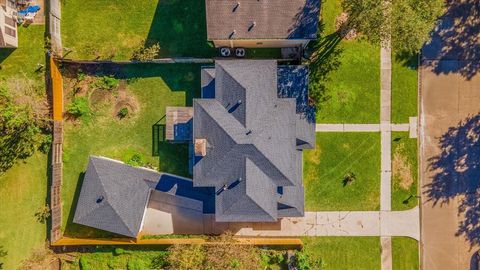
{"points": [[262, 19]]}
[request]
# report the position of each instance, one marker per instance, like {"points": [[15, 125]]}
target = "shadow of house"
{"points": [[456, 37], [179, 27], [456, 175]]}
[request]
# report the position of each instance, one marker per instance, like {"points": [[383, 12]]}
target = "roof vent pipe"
{"points": [[236, 7], [251, 26], [232, 34]]}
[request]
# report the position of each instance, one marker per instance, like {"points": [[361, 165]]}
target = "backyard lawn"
{"points": [[178, 26], [353, 88], [22, 62], [154, 87], [404, 171], [404, 88], [337, 253], [405, 253], [24, 186], [22, 192], [335, 156]]}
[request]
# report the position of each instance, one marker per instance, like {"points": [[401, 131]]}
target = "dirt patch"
{"points": [[126, 100], [402, 169], [343, 28], [26, 92]]}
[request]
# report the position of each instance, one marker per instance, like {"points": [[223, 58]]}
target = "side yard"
{"points": [[23, 191], [145, 90], [353, 86]]}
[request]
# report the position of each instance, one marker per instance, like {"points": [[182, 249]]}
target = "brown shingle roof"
{"points": [[262, 19]]}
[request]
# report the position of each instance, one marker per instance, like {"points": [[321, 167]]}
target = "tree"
{"points": [[407, 22], [20, 131]]}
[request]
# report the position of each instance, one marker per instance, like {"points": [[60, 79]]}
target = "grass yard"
{"points": [[337, 253], [22, 192], [353, 88], [23, 188], [404, 171], [178, 26], [154, 87], [325, 168], [22, 62], [404, 88], [405, 253]]}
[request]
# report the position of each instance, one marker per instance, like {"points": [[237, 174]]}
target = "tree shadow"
{"points": [[324, 59], [457, 175], [179, 27], [306, 21], [455, 37]]}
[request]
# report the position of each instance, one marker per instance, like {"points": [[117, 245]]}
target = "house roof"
{"points": [[251, 138], [114, 195], [274, 19]]}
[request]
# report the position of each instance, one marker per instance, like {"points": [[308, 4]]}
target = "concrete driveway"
{"points": [[449, 145]]}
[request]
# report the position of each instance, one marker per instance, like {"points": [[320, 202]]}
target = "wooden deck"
{"points": [[177, 123]]}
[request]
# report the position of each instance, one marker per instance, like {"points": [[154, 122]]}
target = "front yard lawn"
{"points": [[404, 88], [326, 167], [404, 171], [405, 253], [114, 29], [337, 253], [152, 88], [353, 89]]}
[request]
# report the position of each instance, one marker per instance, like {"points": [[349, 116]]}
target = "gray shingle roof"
{"points": [[274, 19], [114, 196], [252, 146]]}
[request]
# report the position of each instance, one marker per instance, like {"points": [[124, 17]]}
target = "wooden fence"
{"points": [[56, 162]]}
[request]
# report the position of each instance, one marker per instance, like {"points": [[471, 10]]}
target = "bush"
{"points": [[136, 160], [118, 251], [123, 112], [43, 213], [83, 262], [136, 264], [107, 83], [160, 261], [146, 53], [79, 107], [46, 143], [186, 257]]}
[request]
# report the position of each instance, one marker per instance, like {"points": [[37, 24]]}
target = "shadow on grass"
{"points": [[179, 27], [457, 175]]}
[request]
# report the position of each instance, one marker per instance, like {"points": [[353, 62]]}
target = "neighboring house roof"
{"points": [[252, 143], [114, 195], [265, 19]]}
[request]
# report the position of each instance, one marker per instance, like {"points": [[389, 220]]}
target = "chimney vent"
{"points": [[251, 26], [236, 7]]}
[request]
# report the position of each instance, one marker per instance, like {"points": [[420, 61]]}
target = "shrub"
{"points": [[46, 143], [136, 160], [123, 112], [83, 262], [43, 213], [146, 53], [160, 261], [186, 257], [79, 107], [81, 76], [349, 178], [136, 264], [118, 251]]}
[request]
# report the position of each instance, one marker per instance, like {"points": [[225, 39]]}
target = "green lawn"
{"points": [[337, 253], [155, 87], [353, 88], [22, 62], [404, 88], [404, 183], [335, 155], [23, 191], [23, 188], [106, 29], [405, 253]]}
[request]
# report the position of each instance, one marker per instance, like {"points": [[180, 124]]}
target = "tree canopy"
{"points": [[19, 131], [407, 22]]}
